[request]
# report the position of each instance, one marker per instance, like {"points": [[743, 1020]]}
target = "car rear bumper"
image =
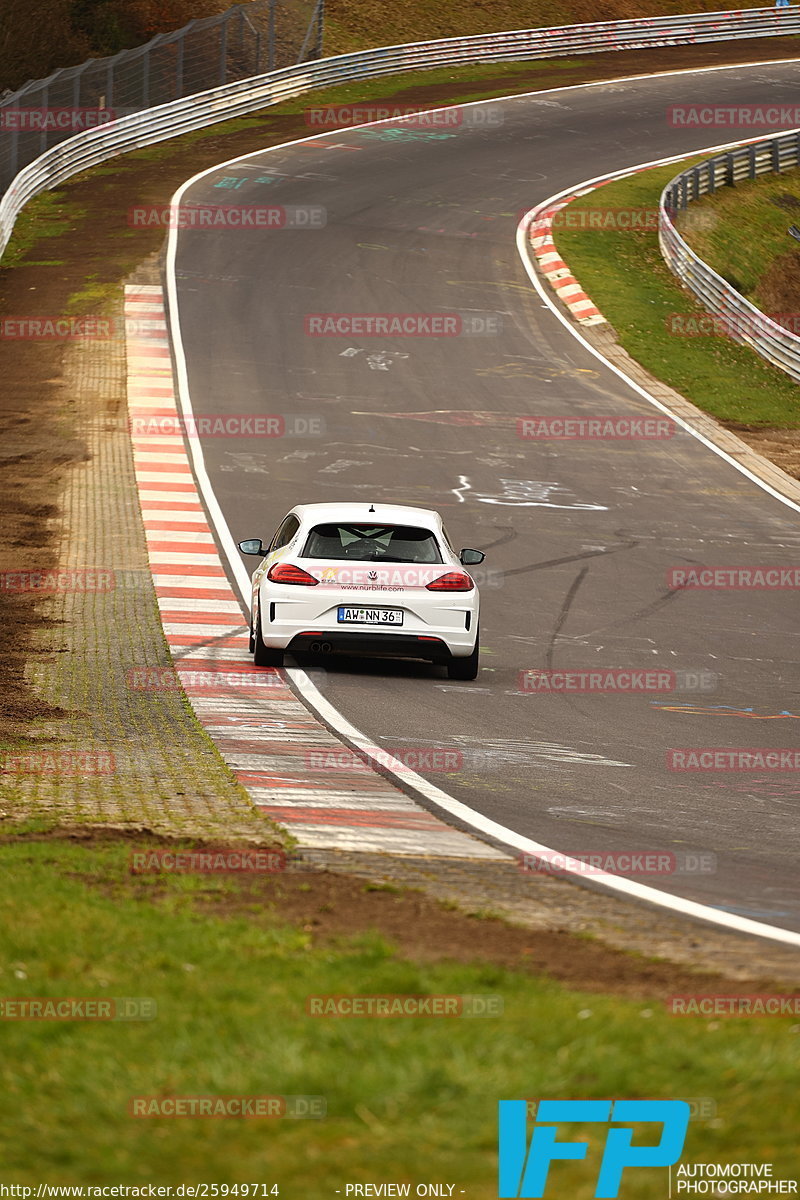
{"points": [[374, 645], [451, 636]]}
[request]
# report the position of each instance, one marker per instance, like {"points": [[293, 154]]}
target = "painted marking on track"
{"points": [[722, 710], [403, 135], [384, 359], [344, 464], [528, 493], [464, 485], [446, 416]]}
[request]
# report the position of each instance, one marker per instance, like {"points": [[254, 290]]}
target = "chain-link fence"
{"points": [[248, 39]]}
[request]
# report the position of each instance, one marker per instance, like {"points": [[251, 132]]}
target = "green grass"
{"points": [[47, 216], [741, 230], [94, 296], [407, 1099], [624, 274]]}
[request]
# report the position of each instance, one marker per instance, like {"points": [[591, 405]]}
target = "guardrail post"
{"points": [[254, 59], [320, 28], [776, 156], [146, 79], [179, 67], [271, 36], [43, 134], [730, 170], [752, 163], [13, 159], [223, 52]]}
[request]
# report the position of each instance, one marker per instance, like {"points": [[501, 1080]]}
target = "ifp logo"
{"points": [[524, 1169]]}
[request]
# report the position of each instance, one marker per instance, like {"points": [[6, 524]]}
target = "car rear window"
{"points": [[373, 543]]}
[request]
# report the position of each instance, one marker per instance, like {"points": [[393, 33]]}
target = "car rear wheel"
{"points": [[465, 668], [264, 656]]}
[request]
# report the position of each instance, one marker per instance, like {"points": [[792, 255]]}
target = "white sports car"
{"points": [[373, 579]]}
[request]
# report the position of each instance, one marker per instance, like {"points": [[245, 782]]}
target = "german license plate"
{"points": [[370, 616]]}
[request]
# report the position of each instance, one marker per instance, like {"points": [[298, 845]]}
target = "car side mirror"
{"points": [[252, 546], [471, 558]]}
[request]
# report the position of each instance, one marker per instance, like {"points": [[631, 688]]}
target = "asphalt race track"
{"points": [[579, 535]]}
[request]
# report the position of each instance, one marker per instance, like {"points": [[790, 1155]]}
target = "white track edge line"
{"points": [[323, 708]]}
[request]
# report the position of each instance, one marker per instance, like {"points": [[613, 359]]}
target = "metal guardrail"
{"points": [[261, 35], [87, 149], [733, 314]]}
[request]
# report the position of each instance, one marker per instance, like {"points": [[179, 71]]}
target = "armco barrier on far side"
{"points": [[734, 315]]}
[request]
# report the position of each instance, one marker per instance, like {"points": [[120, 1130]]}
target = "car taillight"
{"points": [[453, 581], [289, 573]]}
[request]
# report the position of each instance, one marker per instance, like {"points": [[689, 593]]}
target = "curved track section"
{"points": [[579, 536]]}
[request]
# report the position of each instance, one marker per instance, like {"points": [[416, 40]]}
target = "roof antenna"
{"points": [[372, 508]]}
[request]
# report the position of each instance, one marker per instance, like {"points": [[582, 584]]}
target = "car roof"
{"points": [[364, 512]]}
